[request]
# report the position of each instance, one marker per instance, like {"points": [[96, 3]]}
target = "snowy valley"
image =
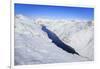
{"points": [[32, 45]]}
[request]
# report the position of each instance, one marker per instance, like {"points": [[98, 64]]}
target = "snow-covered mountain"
{"points": [[32, 45], [78, 34]]}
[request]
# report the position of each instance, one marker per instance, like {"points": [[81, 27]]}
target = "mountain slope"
{"points": [[32, 45]]}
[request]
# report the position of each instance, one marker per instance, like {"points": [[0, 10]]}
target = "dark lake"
{"points": [[55, 39]]}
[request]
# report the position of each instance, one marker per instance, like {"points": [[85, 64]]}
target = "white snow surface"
{"points": [[32, 45]]}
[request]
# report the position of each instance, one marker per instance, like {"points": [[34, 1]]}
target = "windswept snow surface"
{"points": [[32, 45]]}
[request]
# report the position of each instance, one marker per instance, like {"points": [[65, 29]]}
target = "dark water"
{"points": [[55, 39]]}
